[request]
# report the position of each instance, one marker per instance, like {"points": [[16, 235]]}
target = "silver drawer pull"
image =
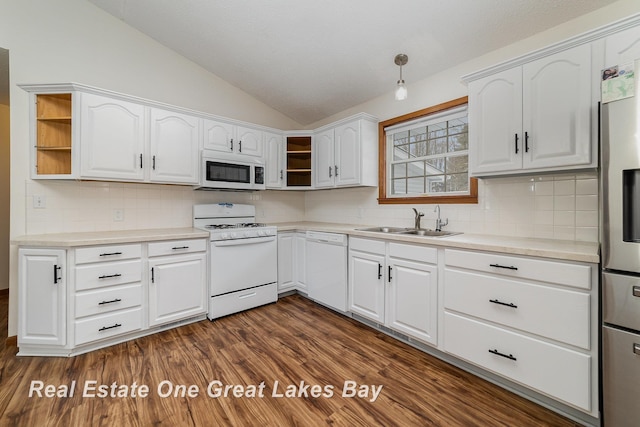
{"points": [[252, 294], [104, 328], [508, 304], [110, 302], [506, 356], [508, 267], [636, 291], [108, 276], [636, 349], [111, 254], [175, 248]]}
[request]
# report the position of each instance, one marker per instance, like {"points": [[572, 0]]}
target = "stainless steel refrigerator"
{"points": [[620, 177]]}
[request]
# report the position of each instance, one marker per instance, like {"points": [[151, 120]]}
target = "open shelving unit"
{"points": [[53, 134], [298, 161]]}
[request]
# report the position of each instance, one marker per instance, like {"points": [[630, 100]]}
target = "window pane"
{"points": [[457, 164], [415, 185], [437, 146], [438, 130], [400, 137], [415, 168], [435, 183], [399, 170], [458, 182], [436, 166], [401, 152], [419, 149], [418, 134], [458, 142], [399, 186]]}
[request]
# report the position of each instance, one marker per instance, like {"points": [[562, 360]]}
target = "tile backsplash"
{"points": [[563, 207]]}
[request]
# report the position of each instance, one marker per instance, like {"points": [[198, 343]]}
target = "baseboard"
{"points": [[11, 341]]}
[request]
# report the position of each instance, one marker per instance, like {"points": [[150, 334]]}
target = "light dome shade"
{"points": [[401, 91]]}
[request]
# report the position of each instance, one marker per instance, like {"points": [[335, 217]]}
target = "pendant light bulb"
{"points": [[401, 90]]}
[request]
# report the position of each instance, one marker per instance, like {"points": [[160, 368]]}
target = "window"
{"points": [[425, 157]]}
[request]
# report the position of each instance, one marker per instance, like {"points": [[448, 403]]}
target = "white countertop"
{"points": [[547, 248], [68, 240]]}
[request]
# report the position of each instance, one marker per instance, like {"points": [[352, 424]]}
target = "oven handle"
{"points": [[247, 241]]}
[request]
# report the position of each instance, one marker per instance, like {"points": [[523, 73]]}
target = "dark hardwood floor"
{"points": [[292, 342]]}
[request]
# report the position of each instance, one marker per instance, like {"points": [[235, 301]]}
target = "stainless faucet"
{"points": [[417, 218], [439, 222]]}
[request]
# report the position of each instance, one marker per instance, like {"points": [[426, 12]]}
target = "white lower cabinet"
{"points": [[292, 272], [80, 299], [396, 285], [530, 320], [177, 287], [42, 286]]}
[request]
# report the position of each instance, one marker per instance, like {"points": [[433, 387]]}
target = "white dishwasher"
{"points": [[327, 269]]}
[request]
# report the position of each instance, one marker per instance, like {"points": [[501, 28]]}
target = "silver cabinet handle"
{"points": [[329, 171], [636, 349], [636, 291], [336, 169]]}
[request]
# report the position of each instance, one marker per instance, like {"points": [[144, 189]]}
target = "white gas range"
{"points": [[243, 260]]}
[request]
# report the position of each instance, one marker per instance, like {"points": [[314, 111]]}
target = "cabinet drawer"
{"points": [[558, 314], [553, 370], [242, 300], [108, 274], [177, 247], [367, 245], [576, 275], [413, 252], [108, 253], [105, 300], [107, 325]]}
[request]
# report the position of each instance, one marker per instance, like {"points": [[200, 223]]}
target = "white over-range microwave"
{"points": [[231, 172]]}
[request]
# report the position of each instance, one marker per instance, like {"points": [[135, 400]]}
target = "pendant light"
{"points": [[401, 91]]}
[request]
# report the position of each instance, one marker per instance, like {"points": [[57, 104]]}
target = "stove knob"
{"points": [[245, 234], [261, 233], [233, 235], [224, 236]]}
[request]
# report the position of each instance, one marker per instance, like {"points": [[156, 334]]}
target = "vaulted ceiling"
{"points": [[311, 59]]}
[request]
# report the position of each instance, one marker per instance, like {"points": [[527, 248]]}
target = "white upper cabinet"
{"points": [[622, 47], [323, 159], [274, 160], [495, 122], [557, 110], [174, 147], [229, 138], [112, 133], [534, 117], [346, 154]]}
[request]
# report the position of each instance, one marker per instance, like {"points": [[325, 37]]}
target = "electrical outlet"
{"points": [[118, 215], [39, 202]]}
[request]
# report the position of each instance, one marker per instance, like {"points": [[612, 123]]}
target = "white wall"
{"points": [[4, 196], [559, 207], [74, 41]]}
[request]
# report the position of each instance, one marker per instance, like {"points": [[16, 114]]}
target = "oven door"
{"points": [[243, 263]]}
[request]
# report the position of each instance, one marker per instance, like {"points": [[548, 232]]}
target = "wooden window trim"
{"points": [[471, 198]]}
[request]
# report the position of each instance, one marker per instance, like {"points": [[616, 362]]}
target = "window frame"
{"points": [[471, 198]]}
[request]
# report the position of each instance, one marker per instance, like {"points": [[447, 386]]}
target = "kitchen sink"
{"points": [[429, 233], [410, 231], [384, 229]]}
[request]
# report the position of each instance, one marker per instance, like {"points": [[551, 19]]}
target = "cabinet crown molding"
{"points": [[587, 37]]}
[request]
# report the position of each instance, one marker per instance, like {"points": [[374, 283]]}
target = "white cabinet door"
{"points": [[347, 154], [323, 159], [274, 162], [366, 285], [557, 109], [218, 136], [495, 123], [286, 257], [112, 135], [623, 47], [300, 261], [175, 147], [250, 142], [177, 288], [41, 296], [412, 299]]}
